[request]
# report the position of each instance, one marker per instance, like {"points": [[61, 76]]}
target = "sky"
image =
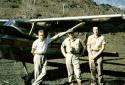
{"points": [[117, 3]]}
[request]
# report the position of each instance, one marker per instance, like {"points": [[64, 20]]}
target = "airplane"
{"points": [[17, 36]]}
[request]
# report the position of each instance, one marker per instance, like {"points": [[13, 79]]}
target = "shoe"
{"points": [[92, 84], [79, 82], [71, 83], [101, 84]]}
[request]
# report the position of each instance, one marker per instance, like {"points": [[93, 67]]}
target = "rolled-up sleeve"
{"points": [[88, 41], [34, 45], [103, 41], [63, 50]]}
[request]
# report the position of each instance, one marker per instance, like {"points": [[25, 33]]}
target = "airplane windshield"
{"points": [[23, 26], [2, 23]]}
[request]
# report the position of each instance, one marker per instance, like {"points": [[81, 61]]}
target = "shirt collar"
{"points": [[95, 36], [72, 39], [41, 40]]}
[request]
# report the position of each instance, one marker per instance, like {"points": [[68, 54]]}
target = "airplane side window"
{"points": [[9, 31], [2, 30]]}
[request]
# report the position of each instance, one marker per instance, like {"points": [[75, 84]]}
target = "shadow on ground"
{"points": [[61, 72], [115, 82]]}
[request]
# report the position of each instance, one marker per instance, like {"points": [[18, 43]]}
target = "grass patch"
{"points": [[114, 67]]}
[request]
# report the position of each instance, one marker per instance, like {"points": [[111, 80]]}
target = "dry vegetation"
{"points": [[52, 8]]}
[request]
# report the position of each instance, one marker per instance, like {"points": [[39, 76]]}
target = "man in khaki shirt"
{"points": [[95, 46], [39, 48], [70, 49]]}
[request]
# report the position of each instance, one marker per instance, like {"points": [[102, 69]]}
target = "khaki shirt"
{"points": [[96, 43], [71, 45], [41, 46]]}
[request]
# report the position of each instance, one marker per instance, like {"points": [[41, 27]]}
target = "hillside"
{"points": [[53, 8]]}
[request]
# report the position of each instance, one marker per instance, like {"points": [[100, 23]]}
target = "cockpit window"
{"points": [[24, 26], [18, 26], [6, 30]]}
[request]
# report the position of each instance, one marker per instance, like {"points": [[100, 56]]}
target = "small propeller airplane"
{"points": [[17, 36]]}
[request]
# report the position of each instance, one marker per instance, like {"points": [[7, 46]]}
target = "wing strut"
{"points": [[33, 24], [28, 77], [25, 68]]}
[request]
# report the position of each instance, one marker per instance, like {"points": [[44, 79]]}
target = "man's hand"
{"points": [[92, 57], [33, 50]]}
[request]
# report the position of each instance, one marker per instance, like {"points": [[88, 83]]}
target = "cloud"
{"points": [[121, 6], [117, 3]]}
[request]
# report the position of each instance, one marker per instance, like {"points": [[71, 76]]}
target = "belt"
{"points": [[73, 53], [95, 50], [39, 54]]}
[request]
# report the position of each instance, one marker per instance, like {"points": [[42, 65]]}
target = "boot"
{"points": [[79, 82], [71, 83]]}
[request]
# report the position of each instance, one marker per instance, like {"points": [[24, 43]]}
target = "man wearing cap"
{"points": [[95, 46], [70, 48]]}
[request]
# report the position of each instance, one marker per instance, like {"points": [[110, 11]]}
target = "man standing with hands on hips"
{"points": [[71, 48]]}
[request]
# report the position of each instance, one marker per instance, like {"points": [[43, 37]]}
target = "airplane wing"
{"points": [[94, 17], [63, 23]]}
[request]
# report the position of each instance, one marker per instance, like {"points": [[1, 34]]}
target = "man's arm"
{"points": [[34, 46], [58, 35], [89, 51], [33, 51], [63, 49], [63, 33], [89, 47], [81, 47]]}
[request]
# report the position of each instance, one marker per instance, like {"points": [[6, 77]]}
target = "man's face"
{"points": [[41, 35], [71, 35], [95, 30]]}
